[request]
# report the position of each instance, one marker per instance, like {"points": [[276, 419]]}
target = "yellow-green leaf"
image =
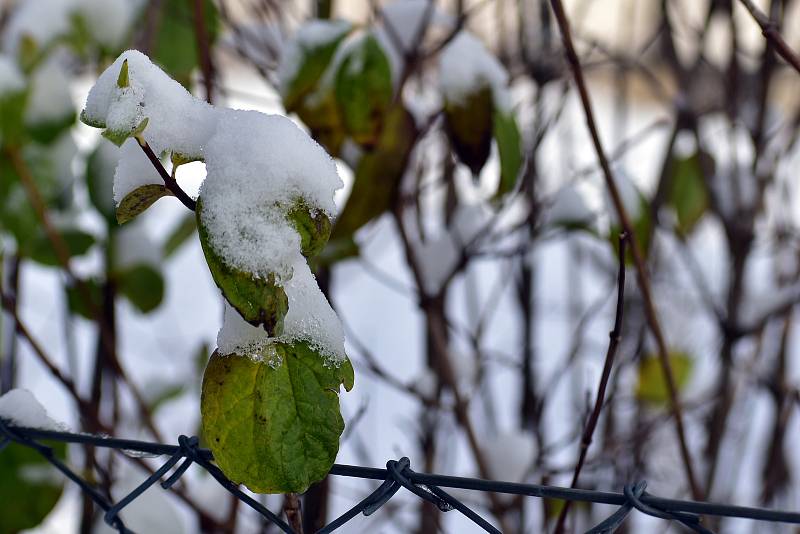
{"points": [[314, 59], [364, 90], [314, 228], [274, 424], [377, 174], [652, 386], [139, 200], [509, 148], [688, 194]]}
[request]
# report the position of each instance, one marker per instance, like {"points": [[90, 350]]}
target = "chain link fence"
{"points": [[397, 474]]}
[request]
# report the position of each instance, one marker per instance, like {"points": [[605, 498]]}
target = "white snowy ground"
{"points": [[160, 347]]}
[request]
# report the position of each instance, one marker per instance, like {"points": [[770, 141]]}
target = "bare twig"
{"points": [[641, 271], [614, 338], [771, 32]]}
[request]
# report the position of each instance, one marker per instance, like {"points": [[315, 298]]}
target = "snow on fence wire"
{"points": [[397, 474]]}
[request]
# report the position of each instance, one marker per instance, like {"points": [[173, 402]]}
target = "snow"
{"points": [[108, 21], [177, 121], [41, 20], [134, 170], [437, 258], [310, 318], [406, 18], [569, 206], [630, 195], [49, 100], [134, 246], [466, 67], [257, 166], [21, 408], [11, 78], [308, 37], [509, 455]]}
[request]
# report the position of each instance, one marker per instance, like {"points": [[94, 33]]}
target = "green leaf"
{"points": [[688, 194], [47, 132], [142, 285], [274, 425], [324, 120], [12, 124], [469, 126], [314, 228], [377, 174], [120, 136], [182, 231], [509, 148], [260, 301], [337, 250], [41, 249], [139, 200], [77, 300], [29, 486], [652, 386], [175, 46], [99, 181], [364, 90], [314, 60], [123, 80]]}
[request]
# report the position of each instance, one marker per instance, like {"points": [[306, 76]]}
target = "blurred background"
{"points": [[473, 263]]}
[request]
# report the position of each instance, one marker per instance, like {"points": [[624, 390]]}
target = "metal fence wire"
{"points": [[398, 473]]}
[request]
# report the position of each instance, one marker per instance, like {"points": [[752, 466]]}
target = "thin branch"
{"points": [[771, 32], [613, 343], [638, 258], [169, 181]]}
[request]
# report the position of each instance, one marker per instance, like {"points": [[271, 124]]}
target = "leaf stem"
{"points": [[169, 181]]}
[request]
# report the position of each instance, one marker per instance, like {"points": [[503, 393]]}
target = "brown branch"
{"points": [[169, 181], [771, 32], [291, 507], [63, 256], [203, 48], [638, 258], [614, 338]]}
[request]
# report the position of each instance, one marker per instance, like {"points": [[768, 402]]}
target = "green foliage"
{"points": [[260, 301], [175, 46], [12, 125], [324, 120], [47, 132], [185, 229], [364, 90], [509, 148], [688, 194], [651, 386], [274, 425], [139, 200], [77, 300], [313, 63], [469, 126], [142, 285], [120, 136], [377, 174], [29, 487], [99, 181], [314, 228], [41, 250]]}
